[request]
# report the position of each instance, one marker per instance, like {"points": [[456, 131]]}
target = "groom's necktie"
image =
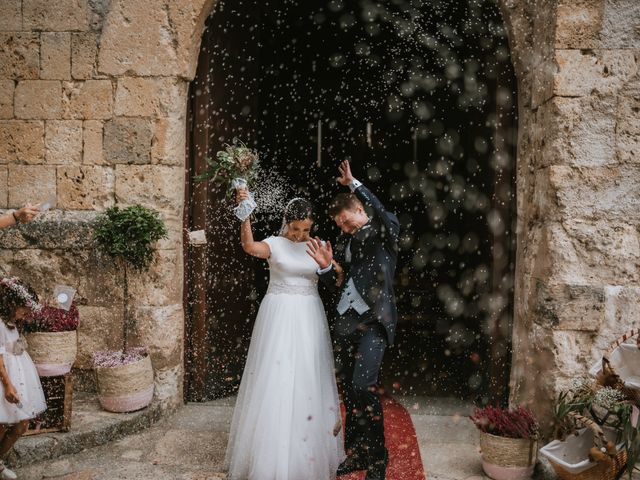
{"points": [[351, 298]]}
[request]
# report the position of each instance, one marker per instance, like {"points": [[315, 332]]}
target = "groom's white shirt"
{"points": [[350, 298]]}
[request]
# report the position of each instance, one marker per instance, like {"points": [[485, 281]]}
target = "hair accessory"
{"points": [[12, 283], [284, 227]]}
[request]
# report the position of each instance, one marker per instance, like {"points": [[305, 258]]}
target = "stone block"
{"points": [[175, 232], [573, 356], [63, 142], [582, 72], [6, 260], [100, 329], [598, 192], [627, 133], [31, 184], [542, 83], [150, 97], [84, 49], [4, 190], [161, 329], [168, 144], [46, 268], [38, 99], [90, 100], [21, 142], [151, 38], [578, 24], [7, 89], [609, 250], [55, 56], [169, 389], [55, 229], [570, 307], [533, 365], [589, 252], [579, 131], [620, 25], [56, 15], [11, 18], [19, 55], [93, 153], [128, 140], [542, 33], [156, 186], [621, 306], [162, 284], [85, 187]]}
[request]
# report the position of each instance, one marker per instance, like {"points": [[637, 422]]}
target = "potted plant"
{"points": [[127, 235], [508, 441], [596, 437], [52, 339]]}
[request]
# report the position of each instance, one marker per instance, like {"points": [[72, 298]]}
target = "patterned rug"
{"points": [[401, 441]]}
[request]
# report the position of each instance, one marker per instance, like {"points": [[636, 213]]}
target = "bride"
{"points": [[286, 422]]}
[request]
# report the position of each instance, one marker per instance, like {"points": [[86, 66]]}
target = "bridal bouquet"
{"points": [[234, 167]]}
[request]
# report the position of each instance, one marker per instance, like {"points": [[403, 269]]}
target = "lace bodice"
{"points": [[291, 270]]}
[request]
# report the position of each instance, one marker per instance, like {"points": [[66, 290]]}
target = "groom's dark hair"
{"points": [[343, 201]]}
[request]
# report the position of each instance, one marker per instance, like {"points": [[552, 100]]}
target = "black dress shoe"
{"points": [[378, 468], [352, 463]]}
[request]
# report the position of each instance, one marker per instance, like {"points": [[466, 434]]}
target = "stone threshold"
{"points": [[91, 426]]}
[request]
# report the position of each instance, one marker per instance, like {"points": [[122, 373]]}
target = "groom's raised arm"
{"points": [[389, 221]]}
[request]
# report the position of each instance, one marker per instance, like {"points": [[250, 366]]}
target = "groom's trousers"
{"points": [[359, 355]]}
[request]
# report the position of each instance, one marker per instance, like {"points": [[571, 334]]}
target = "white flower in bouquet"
{"points": [[235, 166]]}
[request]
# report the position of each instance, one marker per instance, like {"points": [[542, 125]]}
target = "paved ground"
{"points": [[190, 446]]}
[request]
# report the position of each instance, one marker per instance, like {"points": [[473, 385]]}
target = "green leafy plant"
{"points": [[235, 161], [128, 235]]}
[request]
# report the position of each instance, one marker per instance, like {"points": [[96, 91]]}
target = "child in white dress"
{"points": [[21, 395]]}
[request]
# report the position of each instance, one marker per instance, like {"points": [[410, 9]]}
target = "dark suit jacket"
{"points": [[374, 254]]}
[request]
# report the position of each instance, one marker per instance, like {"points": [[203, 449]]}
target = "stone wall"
{"points": [[578, 189], [92, 112]]}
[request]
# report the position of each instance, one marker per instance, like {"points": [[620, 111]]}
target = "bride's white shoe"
{"points": [[6, 473]]}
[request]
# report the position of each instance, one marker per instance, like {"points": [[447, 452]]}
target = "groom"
{"points": [[362, 273]]}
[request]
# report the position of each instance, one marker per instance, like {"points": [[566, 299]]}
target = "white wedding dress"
{"points": [[287, 406]]}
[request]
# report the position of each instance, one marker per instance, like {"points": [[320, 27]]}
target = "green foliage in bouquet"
{"points": [[235, 161], [607, 406]]}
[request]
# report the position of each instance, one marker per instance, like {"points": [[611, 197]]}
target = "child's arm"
{"points": [[10, 393]]}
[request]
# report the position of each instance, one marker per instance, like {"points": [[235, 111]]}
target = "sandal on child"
{"points": [[6, 473]]}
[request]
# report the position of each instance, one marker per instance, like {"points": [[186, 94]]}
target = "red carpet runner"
{"points": [[401, 441]]}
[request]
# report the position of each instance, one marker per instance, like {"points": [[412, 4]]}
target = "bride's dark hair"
{"points": [[298, 209]]}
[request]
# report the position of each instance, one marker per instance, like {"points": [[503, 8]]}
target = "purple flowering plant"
{"points": [[52, 319], [111, 358]]}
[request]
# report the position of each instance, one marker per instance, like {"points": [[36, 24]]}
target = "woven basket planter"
{"points": [[570, 457], [508, 458], [52, 352], [126, 388]]}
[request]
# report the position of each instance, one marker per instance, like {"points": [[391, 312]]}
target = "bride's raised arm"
{"points": [[249, 245]]}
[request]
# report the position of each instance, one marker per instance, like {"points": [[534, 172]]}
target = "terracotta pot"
{"points": [[126, 388], [508, 458], [53, 353]]}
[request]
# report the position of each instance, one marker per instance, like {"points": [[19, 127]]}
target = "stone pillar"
{"points": [[578, 202]]}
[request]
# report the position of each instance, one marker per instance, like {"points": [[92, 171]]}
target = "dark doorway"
{"points": [[421, 97]]}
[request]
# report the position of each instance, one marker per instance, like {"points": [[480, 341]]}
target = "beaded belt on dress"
{"points": [[278, 288]]}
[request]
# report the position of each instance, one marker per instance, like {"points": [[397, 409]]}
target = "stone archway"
{"points": [[577, 258]]}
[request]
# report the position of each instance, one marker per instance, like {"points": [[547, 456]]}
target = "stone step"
{"points": [[91, 426]]}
